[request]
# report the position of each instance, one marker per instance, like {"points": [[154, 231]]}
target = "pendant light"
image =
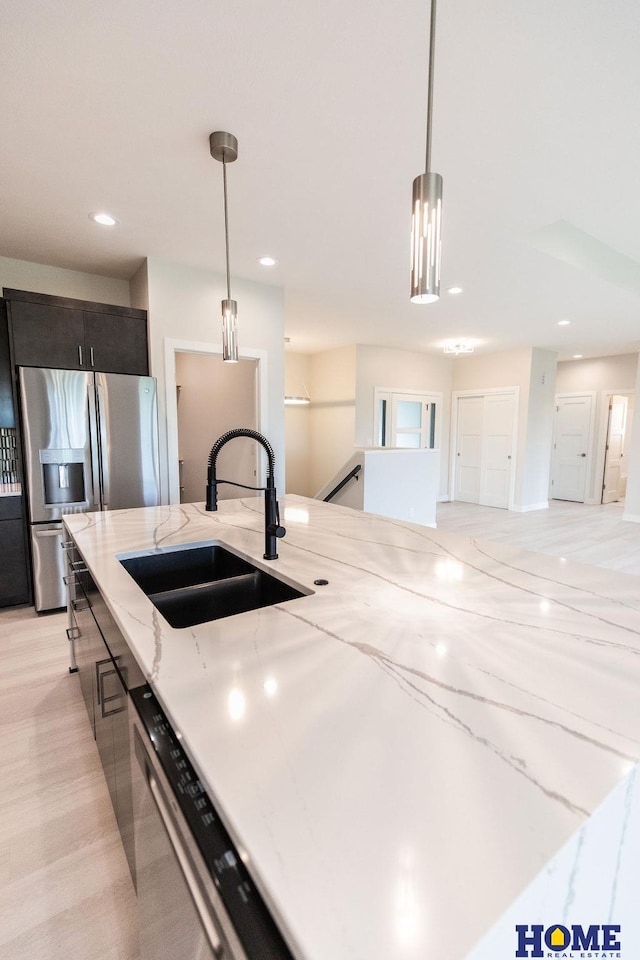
{"points": [[426, 218], [224, 147]]}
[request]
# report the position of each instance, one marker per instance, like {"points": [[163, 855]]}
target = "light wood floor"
{"points": [[65, 888], [66, 893], [590, 534]]}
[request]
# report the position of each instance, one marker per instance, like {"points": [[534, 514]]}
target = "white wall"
{"points": [[297, 377], [599, 373], [406, 370], [332, 388], [39, 278], [539, 442], [184, 304]]}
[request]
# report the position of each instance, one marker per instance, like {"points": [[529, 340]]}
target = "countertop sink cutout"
{"points": [[204, 581]]}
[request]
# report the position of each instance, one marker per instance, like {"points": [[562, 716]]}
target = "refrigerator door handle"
{"points": [[96, 488], [103, 436]]}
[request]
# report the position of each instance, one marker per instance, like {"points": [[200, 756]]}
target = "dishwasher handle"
{"points": [[185, 865]]}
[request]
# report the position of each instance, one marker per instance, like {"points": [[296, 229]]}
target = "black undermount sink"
{"points": [[202, 582]]}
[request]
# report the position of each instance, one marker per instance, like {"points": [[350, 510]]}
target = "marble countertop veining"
{"points": [[404, 752]]}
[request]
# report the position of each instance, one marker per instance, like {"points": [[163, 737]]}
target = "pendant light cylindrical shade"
{"points": [[224, 147], [426, 210], [230, 331], [426, 221]]}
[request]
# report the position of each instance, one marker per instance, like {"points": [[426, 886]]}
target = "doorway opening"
{"points": [[614, 478], [213, 397], [204, 398]]}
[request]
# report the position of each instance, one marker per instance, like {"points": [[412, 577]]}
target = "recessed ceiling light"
{"points": [[104, 219], [563, 323], [454, 290], [267, 261], [577, 356]]}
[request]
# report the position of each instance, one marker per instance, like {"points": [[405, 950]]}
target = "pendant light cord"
{"points": [[432, 46], [226, 226]]}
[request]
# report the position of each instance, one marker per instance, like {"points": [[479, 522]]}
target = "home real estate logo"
{"points": [[596, 941]]}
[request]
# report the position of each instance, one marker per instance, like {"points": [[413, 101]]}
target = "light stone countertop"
{"points": [[422, 753]]}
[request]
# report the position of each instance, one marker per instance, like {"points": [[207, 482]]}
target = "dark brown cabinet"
{"points": [[76, 334], [15, 584], [106, 669], [14, 577]]}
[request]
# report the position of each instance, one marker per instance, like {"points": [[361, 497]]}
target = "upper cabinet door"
{"points": [[116, 343], [47, 336]]}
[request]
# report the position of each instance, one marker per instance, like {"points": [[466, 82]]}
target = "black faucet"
{"points": [[272, 528]]}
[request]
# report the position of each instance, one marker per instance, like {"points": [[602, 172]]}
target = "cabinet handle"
{"points": [[80, 354], [103, 700], [81, 604], [91, 356]]}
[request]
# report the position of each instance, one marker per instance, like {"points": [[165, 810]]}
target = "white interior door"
{"points": [[469, 449], [571, 447], [497, 446], [412, 422], [614, 451], [484, 449]]}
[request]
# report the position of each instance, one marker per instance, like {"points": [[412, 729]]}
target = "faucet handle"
{"points": [[275, 530]]}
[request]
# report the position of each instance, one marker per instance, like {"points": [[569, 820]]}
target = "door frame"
{"points": [[171, 347], [484, 392], [601, 436], [430, 396], [589, 476]]}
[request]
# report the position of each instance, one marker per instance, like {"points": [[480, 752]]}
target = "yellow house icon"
{"points": [[557, 938]]}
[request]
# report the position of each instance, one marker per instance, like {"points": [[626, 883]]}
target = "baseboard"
{"points": [[443, 498], [543, 505], [633, 517]]}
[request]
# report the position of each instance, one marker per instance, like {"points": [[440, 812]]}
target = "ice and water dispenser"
{"points": [[62, 476]]}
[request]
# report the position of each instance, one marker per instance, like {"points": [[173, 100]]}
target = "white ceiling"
{"points": [[108, 105]]}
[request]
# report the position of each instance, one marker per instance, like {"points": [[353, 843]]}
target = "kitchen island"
{"points": [[422, 753]]}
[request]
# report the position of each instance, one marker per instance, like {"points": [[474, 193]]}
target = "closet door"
{"points": [[469, 448], [497, 444], [484, 449]]}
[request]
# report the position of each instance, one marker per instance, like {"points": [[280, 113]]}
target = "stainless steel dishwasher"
{"points": [[196, 899]]}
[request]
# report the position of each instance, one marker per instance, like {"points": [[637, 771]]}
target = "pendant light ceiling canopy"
{"points": [[426, 216], [224, 147]]}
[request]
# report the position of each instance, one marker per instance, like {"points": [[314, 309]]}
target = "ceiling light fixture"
{"points": [[454, 290], [459, 346], [224, 147], [296, 401], [426, 218], [104, 219], [267, 261], [563, 323], [577, 356]]}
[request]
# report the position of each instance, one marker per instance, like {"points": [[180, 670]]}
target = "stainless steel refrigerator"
{"points": [[90, 443]]}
